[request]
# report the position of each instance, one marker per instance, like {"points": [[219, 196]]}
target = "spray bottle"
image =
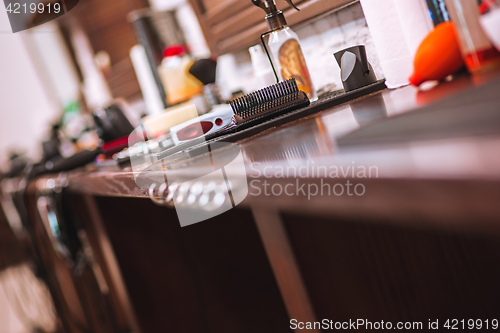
{"points": [[284, 44]]}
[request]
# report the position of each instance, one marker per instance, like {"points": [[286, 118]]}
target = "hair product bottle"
{"points": [[284, 44]]}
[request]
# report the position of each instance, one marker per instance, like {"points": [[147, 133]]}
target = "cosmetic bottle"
{"points": [[261, 68], [477, 51], [284, 45], [179, 84]]}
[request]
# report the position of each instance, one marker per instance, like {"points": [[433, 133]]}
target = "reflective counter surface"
{"points": [[413, 154]]}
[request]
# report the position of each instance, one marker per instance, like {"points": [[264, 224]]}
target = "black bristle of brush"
{"points": [[269, 94], [273, 100], [204, 70]]}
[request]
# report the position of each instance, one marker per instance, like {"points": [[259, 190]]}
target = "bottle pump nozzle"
{"points": [[275, 18]]}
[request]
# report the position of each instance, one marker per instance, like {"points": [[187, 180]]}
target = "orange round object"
{"points": [[438, 55]]}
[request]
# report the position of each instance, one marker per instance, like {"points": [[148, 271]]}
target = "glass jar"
{"points": [[479, 54]]}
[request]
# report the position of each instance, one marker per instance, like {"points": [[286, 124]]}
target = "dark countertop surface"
{"points": [[421, 155]]}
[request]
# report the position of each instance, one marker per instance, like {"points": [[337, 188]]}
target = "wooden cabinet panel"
{"points": [[231, 25], [107, 28]]}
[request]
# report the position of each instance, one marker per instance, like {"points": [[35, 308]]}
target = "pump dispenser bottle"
{"points": [[284, 45]]}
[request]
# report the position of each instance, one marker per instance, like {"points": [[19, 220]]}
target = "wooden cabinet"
{"points": [[107, 29], [231, 25], [423, 241]]}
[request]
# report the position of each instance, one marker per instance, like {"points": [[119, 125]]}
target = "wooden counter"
{"points": [[420, 243], [436, 173]]}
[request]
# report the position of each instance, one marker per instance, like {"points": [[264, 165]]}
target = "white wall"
{"points": [[26, 106], [51, 56]]}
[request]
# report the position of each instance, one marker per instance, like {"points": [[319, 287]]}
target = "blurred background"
{"points": [[75, 84], [58, 72], [105, 51], [78, 62]]}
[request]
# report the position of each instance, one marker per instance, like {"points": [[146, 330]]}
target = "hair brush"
{"points": [[253, 109], [268, 102]]}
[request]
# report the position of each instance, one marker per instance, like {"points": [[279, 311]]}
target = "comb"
{"points": [[268, 102]]}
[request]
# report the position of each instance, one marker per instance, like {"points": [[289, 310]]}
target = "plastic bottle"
{"points": [[261, 67], [284, 45], [179, 84]]}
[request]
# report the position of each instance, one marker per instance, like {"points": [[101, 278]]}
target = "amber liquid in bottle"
{"points": [[289, 60]]}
